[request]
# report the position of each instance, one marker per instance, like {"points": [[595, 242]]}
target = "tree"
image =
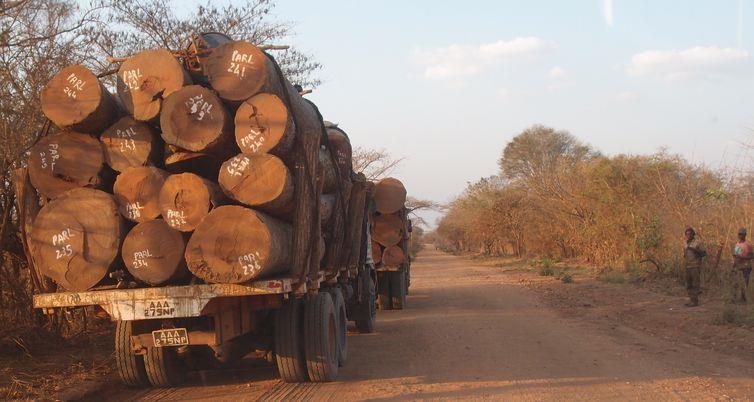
{"points": [[375, 164]]}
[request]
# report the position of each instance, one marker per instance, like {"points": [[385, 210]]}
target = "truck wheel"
{"points": [[130, 366], [398, 289], [321, 338], [368, 312], [289, 347], [384, 301], [164, 367], [341, 319]]}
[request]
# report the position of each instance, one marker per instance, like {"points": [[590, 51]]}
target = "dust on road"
{"points": [[476, 332]]}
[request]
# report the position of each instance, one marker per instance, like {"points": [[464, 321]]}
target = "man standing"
{"points": [[742, 256], [692, 261]]}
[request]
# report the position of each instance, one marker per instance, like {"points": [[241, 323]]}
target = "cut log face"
{"points": [[146, 78], [234, 244], [194, 119], [393, 256], [75, 99], [153, 253], [76, 238], [205, 165], [129, 143], [389, 195], [237, 70], [185, 199], [387, 229], [65, 160], [340, 145], [261, 181], [376, 252], [137, 192], [264, 125]]}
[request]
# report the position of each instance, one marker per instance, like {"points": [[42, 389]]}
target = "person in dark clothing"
{"points": [[693, 253]]}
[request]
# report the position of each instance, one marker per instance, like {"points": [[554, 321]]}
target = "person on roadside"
{"points": [[739, 275], [693, 253]]}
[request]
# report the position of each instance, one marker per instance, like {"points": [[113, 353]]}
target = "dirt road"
{"points": [[476, 332]]}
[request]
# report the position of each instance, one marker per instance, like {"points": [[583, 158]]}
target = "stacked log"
{"points": [[389, 223], [228, 182]]}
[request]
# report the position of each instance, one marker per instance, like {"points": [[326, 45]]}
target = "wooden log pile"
{"points": [[221, 173], [389, 223]]}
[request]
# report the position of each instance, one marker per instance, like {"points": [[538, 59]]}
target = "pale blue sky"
{"points": [[447, 84]]}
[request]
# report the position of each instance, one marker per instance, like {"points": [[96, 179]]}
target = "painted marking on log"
{"points": [[199, 107], [76, 84], [238, 165], [133, 210], [131, 78], [253, 140], [140, 259], [127, 135], [250, 263], [63, 239], [53, 154], [176, 218], [238, 63]]}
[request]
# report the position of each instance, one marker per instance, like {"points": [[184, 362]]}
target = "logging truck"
{"points": [[210, 211]]}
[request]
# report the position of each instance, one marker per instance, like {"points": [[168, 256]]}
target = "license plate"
{"points": [[170, 337]]}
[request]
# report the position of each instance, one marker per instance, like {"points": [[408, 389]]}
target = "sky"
{"points": [[446, 84]]}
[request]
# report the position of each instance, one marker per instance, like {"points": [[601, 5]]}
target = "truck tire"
{"points": [[365, 320], [164, 367], [321, 338], [130, 366], [289, 346], [384, 301], [341, 318], [398, 289]]}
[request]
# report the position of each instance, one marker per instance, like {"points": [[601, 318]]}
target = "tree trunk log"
{"points": [[387, 229], [137, 192], [185, 199], [376, 252], [74, 99], [194, 119], [66, 160], [130, 143], [327, 170], [389, 195], [146, 79], [153, 253], [355, 222], [393, 256], [327, 205], [205, 165], [262, 181], [76, 238], [237, 70], [264, 125], [340, 146], [234, 244]]}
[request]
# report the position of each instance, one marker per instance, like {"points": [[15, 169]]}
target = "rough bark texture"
{"points": [[185, 199], [387, 229], [199, 48], [153, 253], [234, 244], [393, 256], [376, 252], [355, 221], [66, 160], [237, 70], [327, 170], [340, 146], [264, 125], [389, 195], [194, 119], [146, 78], [262, 181], [75, 99], [130, 143], [137, 192], [327, 205], [76, 238], [205, 165]]}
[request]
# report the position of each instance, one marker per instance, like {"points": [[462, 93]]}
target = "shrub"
{"points": [[546, 271], [612, 277]]}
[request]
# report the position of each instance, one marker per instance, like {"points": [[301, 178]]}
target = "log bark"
{"points": [[340, 146], [389, 195], [130, 143], [234, 244], [237, 70], [387, 229], [264, 125], [66, 160], [327, 170], [185, 199], [204, 165], [327, 205], [198, 51], [262, 181], [194, 119], [355, 222], [376, 252], [76, 238], [146, 79], [393, 256], [137, 192], [74, 99], [153, 253]]}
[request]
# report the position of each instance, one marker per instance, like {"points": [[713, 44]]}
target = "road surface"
{"points": [[475, 332]]}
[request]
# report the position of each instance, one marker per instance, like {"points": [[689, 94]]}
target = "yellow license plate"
{"points": [[170, 337]]}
